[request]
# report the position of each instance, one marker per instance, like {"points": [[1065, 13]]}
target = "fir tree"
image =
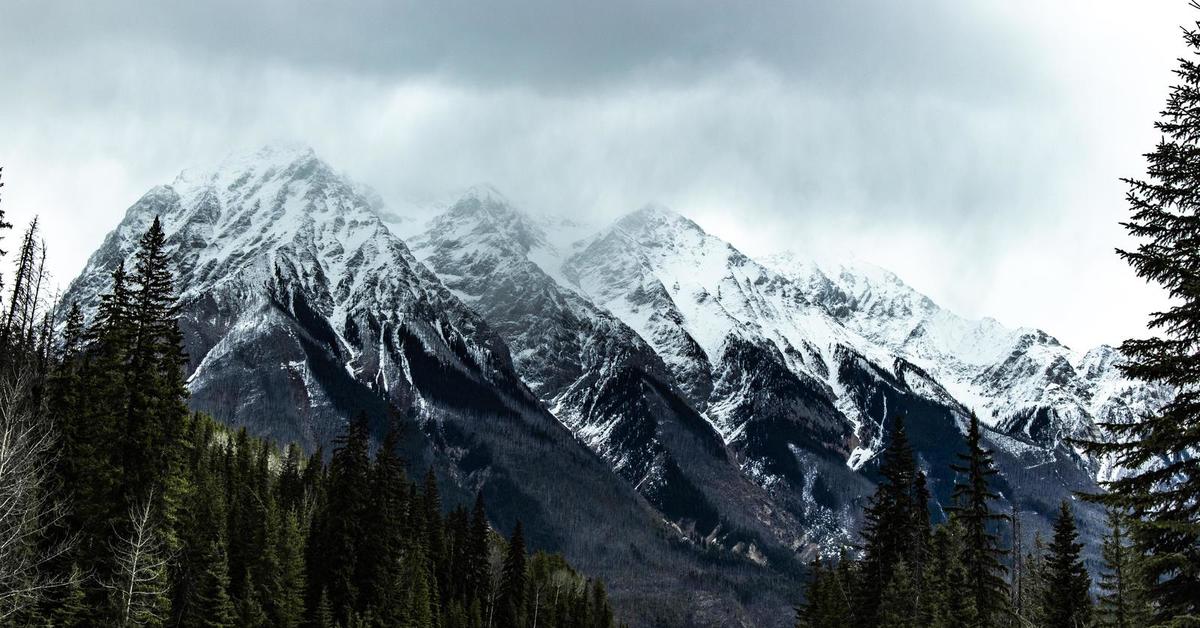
{"points": [[348, 499], [985, 583], [1161, 490], [898, 604], [288, 591], [896, 522], [1066, 602], [1122, 603], [947, 602], [512, 584]]}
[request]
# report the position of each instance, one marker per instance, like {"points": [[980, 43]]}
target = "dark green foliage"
{"points": [[1161, 492], [241, 534], [829, 602], [910, 575], [1122, 601], [896, 528], [512, 582], [1065, 599], [985, 583]]}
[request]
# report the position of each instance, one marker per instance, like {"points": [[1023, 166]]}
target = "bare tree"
{"points": [[495, 577], [139, 586], [29, 511]]}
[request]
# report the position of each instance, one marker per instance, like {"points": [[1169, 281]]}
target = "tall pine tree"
{"points": [[1122, 600], [897, 523], [985, 583], [1161, 490], [1066, 602]]}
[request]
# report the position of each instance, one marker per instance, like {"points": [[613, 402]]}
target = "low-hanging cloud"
{"points": [[974, 149]]}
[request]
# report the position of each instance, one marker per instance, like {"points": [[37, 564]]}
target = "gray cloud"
{"points": [[973, 148]]}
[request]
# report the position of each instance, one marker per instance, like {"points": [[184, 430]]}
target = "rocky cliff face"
{"points": [[644, 396]]}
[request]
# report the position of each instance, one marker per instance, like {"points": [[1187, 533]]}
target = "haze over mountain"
{"points": [[711, 413]]}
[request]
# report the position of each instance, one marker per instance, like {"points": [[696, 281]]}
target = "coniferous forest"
{"points": [[906, 572], [120, 507]]}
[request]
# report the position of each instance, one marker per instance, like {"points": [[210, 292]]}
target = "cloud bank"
{"points": [[975, 149]]}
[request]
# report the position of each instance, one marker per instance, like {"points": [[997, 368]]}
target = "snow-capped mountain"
{"points": [[1023, 382], [644, 380], [796, 369], [599, 376], [300, 309]]}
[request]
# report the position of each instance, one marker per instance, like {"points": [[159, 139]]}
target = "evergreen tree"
{"points": [[511, 601], [381, 567], [348, 499], [156, 390], [288, 593], [947, 602], [1161, 489], [478, 575], [1122, 602], [898, 604], [985, 583], [1066, 602], [896, 522]]}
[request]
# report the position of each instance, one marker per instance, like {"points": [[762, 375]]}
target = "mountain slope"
{"points": [[1022, 382], [600, 377], [299, 308]]}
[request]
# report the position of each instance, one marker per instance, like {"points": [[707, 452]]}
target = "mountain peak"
{"points": [[241, 165], [653, 218]]}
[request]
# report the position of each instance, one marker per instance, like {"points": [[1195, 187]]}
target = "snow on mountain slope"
{"points": [[793, 393], [300, 309], [279, 255], [598, 375], [1021, 381]]}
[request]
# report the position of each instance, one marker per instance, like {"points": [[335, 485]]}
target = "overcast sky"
{"points": [[972, 147]]}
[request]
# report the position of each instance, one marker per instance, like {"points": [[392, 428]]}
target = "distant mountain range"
{"points": [[688, 422]]}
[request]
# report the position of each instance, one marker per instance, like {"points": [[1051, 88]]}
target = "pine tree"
{"points": [[897, 522], [985, 583], [602, 615], [345, 525], [1066, 602], [288, 593], [898, 604], [947, 602], [381, 567], [1122, 603], [512, 584], [156, 391], [478, 575], [1161, 489]]}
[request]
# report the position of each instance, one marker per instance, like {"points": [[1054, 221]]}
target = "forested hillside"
{"points": [[121, 507]]}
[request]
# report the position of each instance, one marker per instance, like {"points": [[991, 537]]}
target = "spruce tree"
{"points": [[512, 584], [1122, 601], [1161, 488], [156, 391], [898, 604], [345, 524], [1066, 602], [897, 522], [289, 583], [947, 602], [985, 583]]}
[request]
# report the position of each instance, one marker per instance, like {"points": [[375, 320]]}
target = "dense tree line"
{"points": [[909, 573], [120, 507]]}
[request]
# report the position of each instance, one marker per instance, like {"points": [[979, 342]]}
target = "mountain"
{"points": [[299, 308], [601, 378], [1023, 382], [683, 420], [795, 369]]}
